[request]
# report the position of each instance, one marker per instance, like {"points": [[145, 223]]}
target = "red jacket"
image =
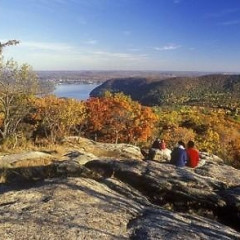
{"points": [[193, 157]]}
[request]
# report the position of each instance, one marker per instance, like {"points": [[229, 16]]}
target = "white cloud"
{"points": [[96, 60], [91, 42], [229, 23], [168, 47], [222, 13], [50, 46], [134, 49], [64, 57], [119, 55]]}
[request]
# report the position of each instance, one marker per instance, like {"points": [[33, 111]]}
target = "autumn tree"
{"points": [[17, 85], [172, 136], [116, 117], [56, 117]]}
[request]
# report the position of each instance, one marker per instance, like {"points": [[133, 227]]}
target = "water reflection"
{"points": [[78, 91]]}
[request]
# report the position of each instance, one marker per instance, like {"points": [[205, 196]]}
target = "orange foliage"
{"points": [[115, 117]]}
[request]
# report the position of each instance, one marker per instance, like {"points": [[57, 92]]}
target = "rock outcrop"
{"points": [[120, 199], [163, 155], [27, 158], [103, 150], [82, 208], [203, 191]]}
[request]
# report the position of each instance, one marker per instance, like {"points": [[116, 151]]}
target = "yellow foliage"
{"points": [[210, 142], [214, 130], [58, 115], [172, 136]]}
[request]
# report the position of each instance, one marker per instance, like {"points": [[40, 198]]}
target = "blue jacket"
{"points": [[179, 157]]}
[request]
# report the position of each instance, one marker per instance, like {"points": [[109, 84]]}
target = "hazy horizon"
{"points": [[123, 35], [116, 70]]}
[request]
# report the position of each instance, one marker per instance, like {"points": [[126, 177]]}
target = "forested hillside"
{"points": [[210, 90]]}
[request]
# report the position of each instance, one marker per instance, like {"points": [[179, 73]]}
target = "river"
{"points": [[79, 91]]}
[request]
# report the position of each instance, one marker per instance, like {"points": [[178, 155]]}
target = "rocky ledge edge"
{"points": [[120, 199]]}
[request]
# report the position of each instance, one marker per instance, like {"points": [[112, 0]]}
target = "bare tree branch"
{"points": [[8, 43]]}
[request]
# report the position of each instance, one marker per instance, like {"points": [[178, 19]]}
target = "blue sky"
{"points": [[164, 35]]}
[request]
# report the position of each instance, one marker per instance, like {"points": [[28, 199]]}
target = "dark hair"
{"points": [[190, 144], [181, 143]]}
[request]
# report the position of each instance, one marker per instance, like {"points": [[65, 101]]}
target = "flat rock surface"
{"points": [[205, 191], [74, 208], [221, 172], [160, 224], [79, 208], [105, 150], [13, 160]]}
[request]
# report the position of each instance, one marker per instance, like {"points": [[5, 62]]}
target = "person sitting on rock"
{"points": [[155, 146], [156, 143], [193, 155], [162, 145], [179, 155]]}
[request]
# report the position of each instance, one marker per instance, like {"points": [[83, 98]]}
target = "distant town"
{"points": [[93, 77]]}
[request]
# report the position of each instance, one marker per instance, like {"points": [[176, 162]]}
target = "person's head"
{"points": [[190, 144], [181, 143]]}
